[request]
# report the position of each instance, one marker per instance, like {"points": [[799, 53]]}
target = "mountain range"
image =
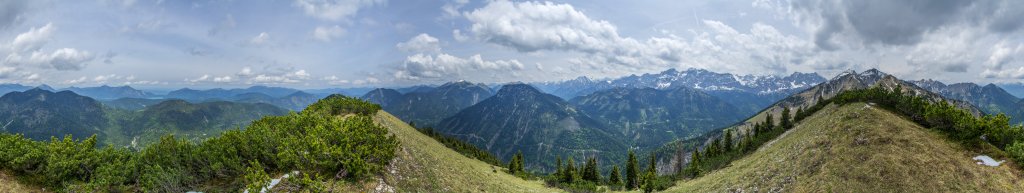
{"points": [[520, 118], [692, 78], [41, 114], [426, 106], [990, 99], [853, 146]]}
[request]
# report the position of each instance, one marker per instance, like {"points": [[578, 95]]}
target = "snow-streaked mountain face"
{"points": [[691, 78]]}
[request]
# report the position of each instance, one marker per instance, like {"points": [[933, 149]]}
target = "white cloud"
{"points": [[334, 80], [422, 43], [259, 39], [80, 80], [222, 79], [367, 80], [26, 49], [103, 79], [1017, 73], [246, 72], [60, 59], [335, 10], [63, 59], [203, 78], [532, 27], [450, 9], [326, 34], [281, 77], [34, 39], [421, 66]]}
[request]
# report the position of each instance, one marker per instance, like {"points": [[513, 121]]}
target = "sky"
{"points": [[377, 43]]}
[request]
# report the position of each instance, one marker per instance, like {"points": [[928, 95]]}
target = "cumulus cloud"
{"points": [[450, 9], [335, 10], [62, 59], [34, 39], [422, 66], [896, 22], [534, 26], [245, 72], [422, 43], [26, 49], [326, 34]]}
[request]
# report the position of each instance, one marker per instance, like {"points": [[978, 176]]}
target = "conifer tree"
{"points": [[650, 174], [590, 172], [569, 176], [516, 165], [695, 162], [632, 173], [769, 122], [654, 163], [786, 122], [558, 166], [614, 178], [727, 141]]}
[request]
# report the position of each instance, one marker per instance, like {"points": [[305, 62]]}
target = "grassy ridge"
{"points": [[424, 164], [858, 147]]}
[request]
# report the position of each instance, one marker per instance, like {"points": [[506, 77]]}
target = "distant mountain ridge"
{"points": [[109, 92], [990, 99], [199, 95], [40, 114], [692, 78], [426, 106]]}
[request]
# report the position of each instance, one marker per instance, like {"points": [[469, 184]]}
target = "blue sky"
{"points": [[367, 43]]}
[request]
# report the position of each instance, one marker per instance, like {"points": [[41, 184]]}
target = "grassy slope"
{"points": [[423, 164], [858, 148], [8, 183]]}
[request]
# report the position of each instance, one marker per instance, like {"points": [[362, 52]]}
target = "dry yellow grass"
{"points": [[858, 148]]}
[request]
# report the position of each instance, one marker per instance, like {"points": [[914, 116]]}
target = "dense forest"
{"points": [[333, 139]]}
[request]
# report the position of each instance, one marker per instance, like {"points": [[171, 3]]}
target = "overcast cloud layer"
{"points": [[366, 43]]}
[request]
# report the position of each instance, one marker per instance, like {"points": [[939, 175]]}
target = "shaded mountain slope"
{"points": [[194, 120], [40, 114], [542, 126], [652, 117], [858, 147]]}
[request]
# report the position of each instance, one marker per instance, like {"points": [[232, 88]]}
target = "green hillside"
{"points": [[858, 147], [424, 164]]}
